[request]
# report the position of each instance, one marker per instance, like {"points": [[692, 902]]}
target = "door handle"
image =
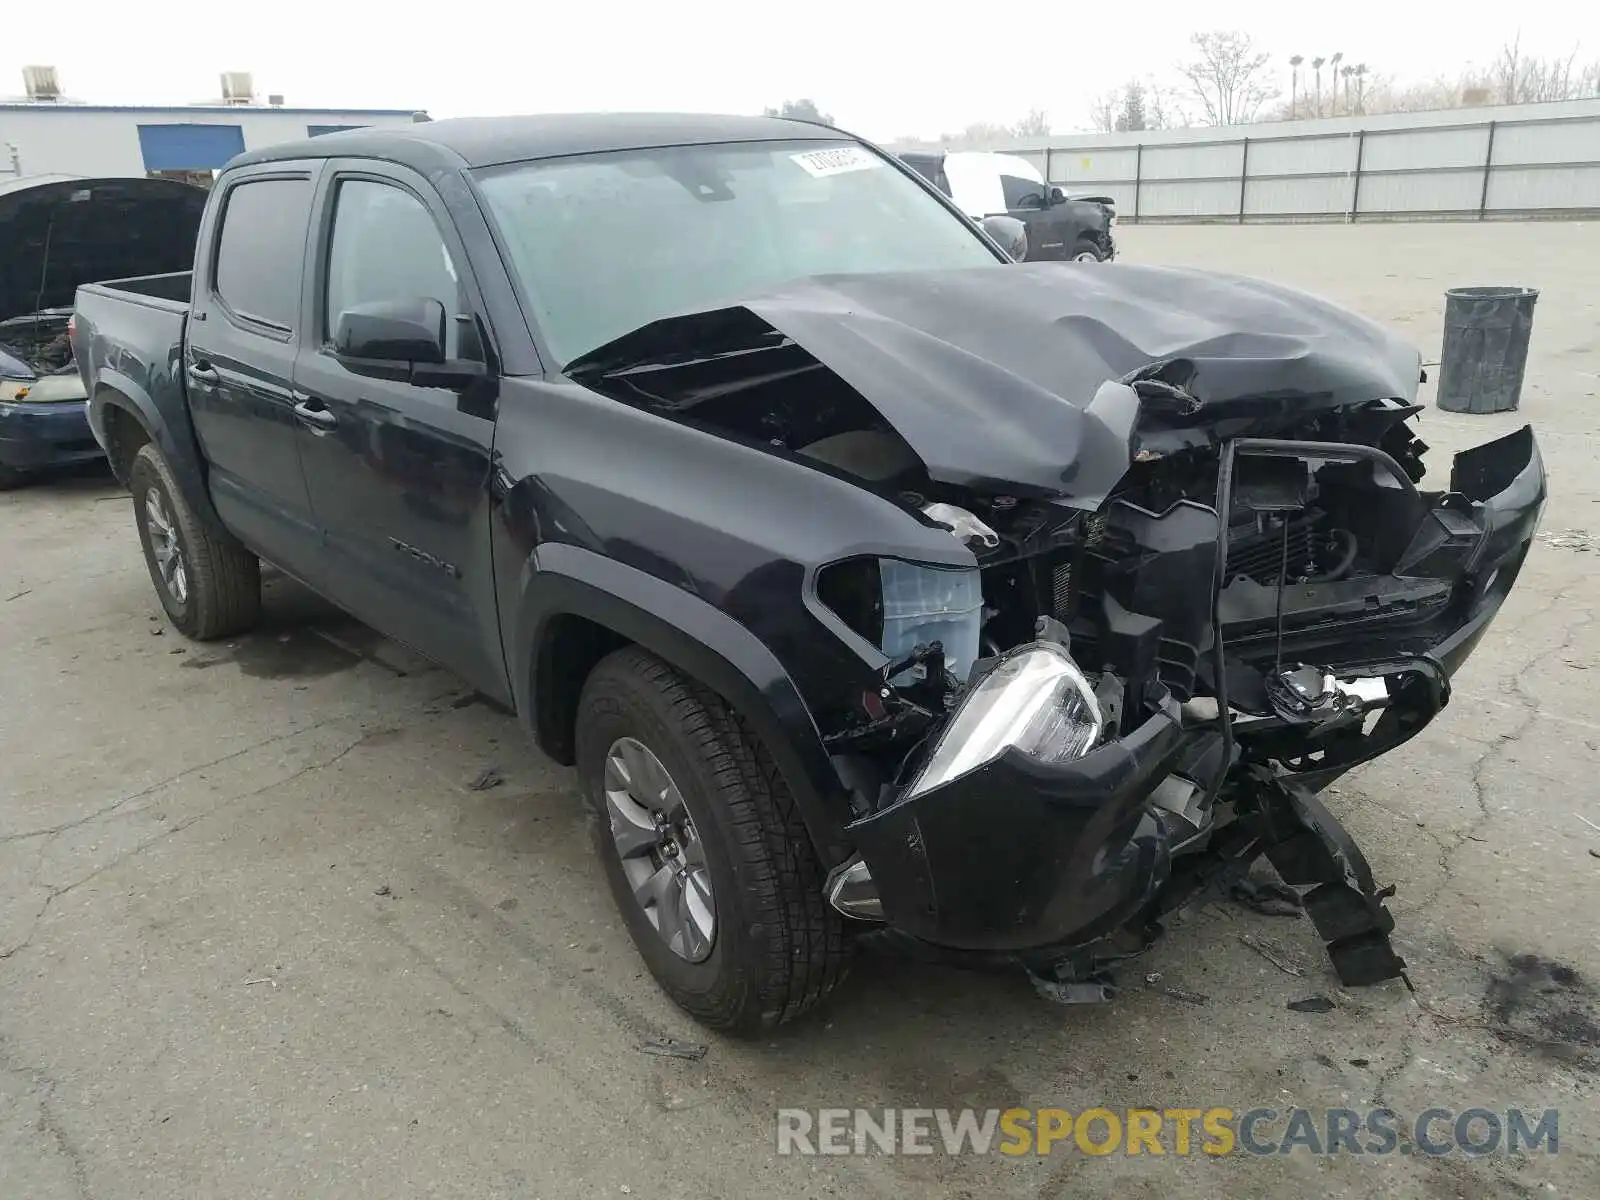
{"points": [[321, 418], [200, 373]]}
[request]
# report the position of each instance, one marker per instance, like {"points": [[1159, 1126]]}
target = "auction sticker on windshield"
{"points": [[837, 160]]}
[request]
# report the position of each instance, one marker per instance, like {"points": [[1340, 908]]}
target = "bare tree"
{"points": [[1512, 78], [1520, 79], [1133, 117], [800, 110], [1509, 69], [1136, 105], [1228, 77], [1035, 125], [1163, 108], [979, 133], [1103, 111]]}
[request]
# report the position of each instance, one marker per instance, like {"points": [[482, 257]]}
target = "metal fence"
{"points": [[1522, 162]]}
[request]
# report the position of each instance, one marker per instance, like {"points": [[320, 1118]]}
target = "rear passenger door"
{"points": [[239, 355], [399, 473]]}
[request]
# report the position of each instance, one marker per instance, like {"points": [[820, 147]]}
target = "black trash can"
{"points": [[1486, 333]]}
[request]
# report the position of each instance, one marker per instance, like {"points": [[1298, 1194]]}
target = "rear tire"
{"points": [[209, 584], [777, 948]]}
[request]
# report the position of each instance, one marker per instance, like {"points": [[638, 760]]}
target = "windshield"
{"points": [[605, 243]]}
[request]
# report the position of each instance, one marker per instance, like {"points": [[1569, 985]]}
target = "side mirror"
{"points": [[1057, 196], [403, 340], [1011, 233]]}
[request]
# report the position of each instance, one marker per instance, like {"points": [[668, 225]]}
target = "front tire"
{"points": [[209, 584], [707, 858], [1085, 251]]}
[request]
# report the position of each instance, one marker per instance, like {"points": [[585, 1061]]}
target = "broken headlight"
{"points": [[898, 606], [1035, 700]]}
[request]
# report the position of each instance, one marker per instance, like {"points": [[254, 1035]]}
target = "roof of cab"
{"points": [[487, 141]]}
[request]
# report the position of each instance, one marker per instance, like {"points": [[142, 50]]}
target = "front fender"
{"points": [[698, 639]]}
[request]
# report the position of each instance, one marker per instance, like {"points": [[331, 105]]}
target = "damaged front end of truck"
{"points": [[1205, 580]]}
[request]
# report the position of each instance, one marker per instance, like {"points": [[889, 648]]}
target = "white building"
{"points": [[44, 133]]}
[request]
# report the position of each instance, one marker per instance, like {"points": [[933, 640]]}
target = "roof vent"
{"points": [[42, 83], [275, 99], [238, 88]]}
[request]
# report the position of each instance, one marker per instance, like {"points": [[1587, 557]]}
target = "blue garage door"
{"points": [[319, 130], [189, 147]]}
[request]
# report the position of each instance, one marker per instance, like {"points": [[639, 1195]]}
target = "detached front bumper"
{"points": [[34, 436], [1018, 855]]}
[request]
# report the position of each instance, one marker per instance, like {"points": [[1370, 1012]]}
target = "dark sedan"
{"points": [[56, 232]]}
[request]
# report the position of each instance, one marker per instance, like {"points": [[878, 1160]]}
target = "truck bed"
{"points": [[170, 291], [129, 345]]}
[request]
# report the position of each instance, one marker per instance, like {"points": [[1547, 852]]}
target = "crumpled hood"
{"points": [[989, 373], [58, 232]]}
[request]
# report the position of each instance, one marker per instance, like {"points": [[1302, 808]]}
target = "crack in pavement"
{"points": [[1517, 706], [107, 810], [43, 1087], [1359, 797], [51, 1125], [1408, 1055], [55, 893], [1531, 708]]}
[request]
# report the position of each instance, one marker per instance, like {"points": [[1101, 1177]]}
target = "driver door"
{"points": [[398, 473], [1050, 226]]}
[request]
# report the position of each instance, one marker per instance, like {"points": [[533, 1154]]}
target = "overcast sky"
{"points": [[884, 68]]}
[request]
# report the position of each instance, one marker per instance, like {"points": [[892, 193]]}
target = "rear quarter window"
{"points": [[261, 250]]}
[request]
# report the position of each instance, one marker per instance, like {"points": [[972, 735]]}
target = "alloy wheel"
{"points": [[166, 546], [660, 849]]}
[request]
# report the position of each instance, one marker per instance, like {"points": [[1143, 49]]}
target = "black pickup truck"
{"points": [[1058, 227], [875, 584]]}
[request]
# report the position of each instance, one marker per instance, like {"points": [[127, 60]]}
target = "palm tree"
{"points": [[1294, 81], [1360, 72], [1316, 65], [1348, 72], [1333, 63]]}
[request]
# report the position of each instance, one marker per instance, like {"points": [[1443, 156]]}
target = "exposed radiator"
{"points": [[1258, 554]]}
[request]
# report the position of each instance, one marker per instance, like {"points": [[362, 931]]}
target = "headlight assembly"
{"points": [[898, 606], [1035, 700]]}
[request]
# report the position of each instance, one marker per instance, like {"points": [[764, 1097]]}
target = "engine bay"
{"points": [[39, 343], [1240, 545], [1330, 556]]}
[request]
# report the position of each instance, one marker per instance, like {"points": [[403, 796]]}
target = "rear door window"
{"points": [[261, 250]]}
